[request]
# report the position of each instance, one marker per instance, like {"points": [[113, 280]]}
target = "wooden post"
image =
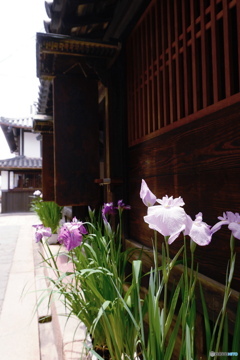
{"points": [[47, 167], [76, 137]]}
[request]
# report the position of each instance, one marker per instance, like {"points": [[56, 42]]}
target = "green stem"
{"points": [[226, 292], [164, 312], [165, 299], [156, 273]]}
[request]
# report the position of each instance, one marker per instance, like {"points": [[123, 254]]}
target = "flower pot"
{"points": [[53, 239]]}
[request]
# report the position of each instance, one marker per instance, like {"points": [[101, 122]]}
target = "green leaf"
{"points": [[208, 334], [137, 268], [173, 306], [173, 337], [225, 347], [188, 343], [174, 260]]}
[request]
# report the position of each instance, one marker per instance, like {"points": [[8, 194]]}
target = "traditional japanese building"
{"points": [[20, 175], [144, 90]]}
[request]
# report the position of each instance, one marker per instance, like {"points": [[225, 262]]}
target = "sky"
{"points": [[19, 85]]}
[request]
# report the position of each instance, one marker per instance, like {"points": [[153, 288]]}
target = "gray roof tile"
{"points": [[21, 162], [25, 123]]}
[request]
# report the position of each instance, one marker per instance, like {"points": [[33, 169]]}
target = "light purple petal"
{"points": [[38, 236], [175, 235], [74, 240], [146, 195], [167, 220], [47, 232], [188, 223], [235, 228], [218, 225], [41, 231], [169, 201], [200, 232]]}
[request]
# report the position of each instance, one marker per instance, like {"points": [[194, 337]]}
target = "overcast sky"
{"points": [[20, 20]]}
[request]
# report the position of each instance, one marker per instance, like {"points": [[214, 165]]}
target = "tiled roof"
{"points": [[21, 162], [25, 123]]}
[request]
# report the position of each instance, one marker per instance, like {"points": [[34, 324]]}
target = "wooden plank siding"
{"points": [[200, 162], [16, 200]]}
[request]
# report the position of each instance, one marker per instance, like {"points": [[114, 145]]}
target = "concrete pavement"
{"points": [[22, 281], [19, 337]]}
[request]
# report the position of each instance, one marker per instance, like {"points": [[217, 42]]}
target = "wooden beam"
{"points": [[152, 60], [158, 50], [238, 37], [194, 58], [84, 20], [170, 65], [215, 77], [227, 69], [185, 64], [144, 115], [178, 83], [164, 72], [203, 55]]}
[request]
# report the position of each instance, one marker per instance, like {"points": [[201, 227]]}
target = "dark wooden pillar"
{"points": [[47, 167], [76, 141]]}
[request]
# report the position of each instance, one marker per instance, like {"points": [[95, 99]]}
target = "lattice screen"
{"points": [[183, 56]]}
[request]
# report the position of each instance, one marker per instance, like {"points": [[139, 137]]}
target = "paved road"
{"points": [[19, 332], [9, 229]]}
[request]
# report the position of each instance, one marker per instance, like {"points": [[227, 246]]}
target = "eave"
{"points": [[97, 21], [61, 54]]}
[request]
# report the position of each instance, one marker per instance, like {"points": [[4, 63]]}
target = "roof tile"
{"points": [[21, 162]]}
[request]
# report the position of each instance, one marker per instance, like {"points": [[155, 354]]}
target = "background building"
{"points": [[20, 175]]}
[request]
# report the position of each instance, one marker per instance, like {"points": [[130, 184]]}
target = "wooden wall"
{"points": [[200, 163], [16, 201]]}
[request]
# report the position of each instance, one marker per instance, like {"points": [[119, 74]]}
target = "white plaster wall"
{"points": [[15, 181], [4, 181], [31, 145], [11, 180]]}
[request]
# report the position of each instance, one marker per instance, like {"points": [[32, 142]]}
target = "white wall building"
{"points": [[20, 175]]}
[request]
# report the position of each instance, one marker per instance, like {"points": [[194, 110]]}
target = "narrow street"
{"points": [[19, 333], [9, 229]]}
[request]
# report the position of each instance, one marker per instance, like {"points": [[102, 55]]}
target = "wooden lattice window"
{"points": [[182, 57]]}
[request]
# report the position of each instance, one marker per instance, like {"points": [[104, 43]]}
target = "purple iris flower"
{"points": [[146, 195], [198, 230], [71, 233], [41, 231], [168, 218], [108, 208], [122, 206], [232, 220]]}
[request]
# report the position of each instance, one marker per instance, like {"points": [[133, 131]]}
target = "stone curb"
{"points": [[68, 334]]}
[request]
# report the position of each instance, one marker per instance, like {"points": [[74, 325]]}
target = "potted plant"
{"points": [[48, 212]]}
